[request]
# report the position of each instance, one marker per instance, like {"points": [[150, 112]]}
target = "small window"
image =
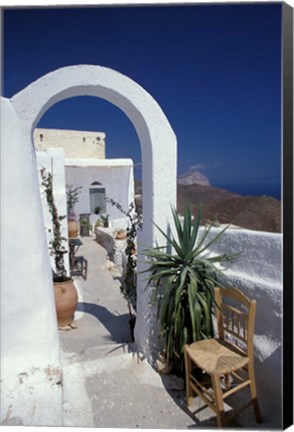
{"points": [[97, 199], [84, 139], [41, 137]]}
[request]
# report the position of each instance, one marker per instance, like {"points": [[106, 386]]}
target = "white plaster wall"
{"points": [[29, 336], [257, 271], [115, 175], [53, 161]]}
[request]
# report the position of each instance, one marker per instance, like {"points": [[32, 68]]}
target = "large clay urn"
{"points": [[73, 228], [66, 299]]}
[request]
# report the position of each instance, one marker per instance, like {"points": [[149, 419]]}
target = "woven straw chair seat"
{"points": [[216, 357]]}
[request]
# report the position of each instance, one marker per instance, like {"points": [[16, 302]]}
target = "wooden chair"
{"points": [[225, 366], [80, 266]]}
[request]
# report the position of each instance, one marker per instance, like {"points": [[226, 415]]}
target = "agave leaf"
{"points": [[209, 284], [214, 239], [222, 258], [195, 227], [185, 338], [177, 318], [197, 249], [181, 285], [154, 253], [162, 274], [170, 340], [182, 324], [193, 274], [186, 230], [170, 240], [197, 319], [205, 307], [192, 289], [165, 301], [178, 224]]}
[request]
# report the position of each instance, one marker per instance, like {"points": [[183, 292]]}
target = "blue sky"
{"points": [[215, 70]]}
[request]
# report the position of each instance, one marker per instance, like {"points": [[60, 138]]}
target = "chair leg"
{"points": [[188, 369], [86, 269], [219, 402], [254, 394], [227, 381]]}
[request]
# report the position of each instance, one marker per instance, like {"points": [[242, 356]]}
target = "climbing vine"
{"points": [[57, 249], [129, 284]]}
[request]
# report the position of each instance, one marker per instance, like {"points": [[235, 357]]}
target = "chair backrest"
{"points": [[235, 321]]}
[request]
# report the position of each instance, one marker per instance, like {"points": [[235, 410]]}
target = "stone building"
{"points": [[76, 144]]}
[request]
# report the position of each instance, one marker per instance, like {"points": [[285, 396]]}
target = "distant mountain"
{"points": [[193, 177], [261, 213]]}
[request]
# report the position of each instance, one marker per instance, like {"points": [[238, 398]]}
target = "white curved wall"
{"points": [[29, 328], [29, 338], [158, 145], [158, 142]]}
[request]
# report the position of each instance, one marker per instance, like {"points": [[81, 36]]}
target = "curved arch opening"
{"points": [[93, 121], [157, 140]]}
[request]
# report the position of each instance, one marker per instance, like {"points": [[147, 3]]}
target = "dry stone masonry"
{"points": [[76, 144]]}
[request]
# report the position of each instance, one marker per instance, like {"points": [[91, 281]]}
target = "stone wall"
{"points": [[76, 144]]}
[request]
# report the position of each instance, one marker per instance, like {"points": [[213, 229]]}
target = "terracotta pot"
{"points": [[73, 229], [121, 235], [66, 299]]}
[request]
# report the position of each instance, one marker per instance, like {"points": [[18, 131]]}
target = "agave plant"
{"points": [[184, 281]]}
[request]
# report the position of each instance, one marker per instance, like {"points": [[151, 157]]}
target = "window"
{"points": [[97, 199]]}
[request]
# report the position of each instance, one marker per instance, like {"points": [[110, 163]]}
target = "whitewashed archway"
{"points": [[158, 149]]}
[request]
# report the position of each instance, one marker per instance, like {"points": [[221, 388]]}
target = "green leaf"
{"points": [[178, 224], [206, 309], [212, 241], [198, 314]]}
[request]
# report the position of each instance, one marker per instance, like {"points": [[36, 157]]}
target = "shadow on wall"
{"points": [[116, 325], [268, 381]]}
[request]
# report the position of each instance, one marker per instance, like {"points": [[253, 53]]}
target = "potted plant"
{"points": [[98, 223], [85, 227], [184, 281], [65, 292], [72, 195], [97, 210], [105, 220]]}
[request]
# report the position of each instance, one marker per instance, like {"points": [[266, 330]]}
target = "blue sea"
{"points": [[255, 189]]}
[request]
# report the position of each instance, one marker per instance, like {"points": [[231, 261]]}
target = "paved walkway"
{"points": [[105, 383]]}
